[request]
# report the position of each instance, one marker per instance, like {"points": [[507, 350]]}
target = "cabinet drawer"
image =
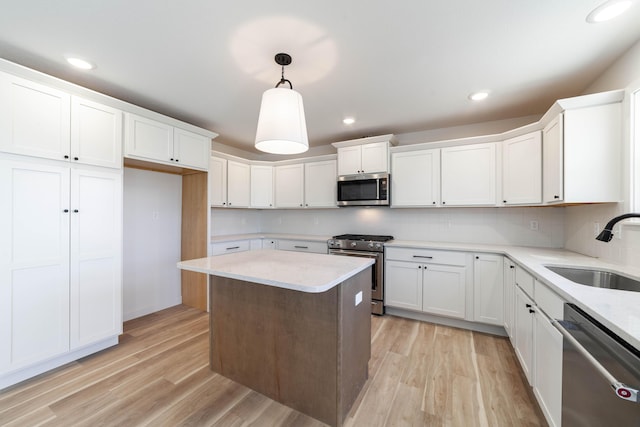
{"points": [[550, 302], [302, 246], [426, 256], [230, 247], [524, 280]]}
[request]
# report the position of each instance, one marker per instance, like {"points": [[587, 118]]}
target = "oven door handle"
{"points": [[622, 391], [354, 253]]}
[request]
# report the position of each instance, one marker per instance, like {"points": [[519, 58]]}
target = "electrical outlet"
{"points": [[358, 298], [533, 225]]}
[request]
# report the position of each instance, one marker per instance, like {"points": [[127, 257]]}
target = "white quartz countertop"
{"points": [[299, 271], [616, 309]]}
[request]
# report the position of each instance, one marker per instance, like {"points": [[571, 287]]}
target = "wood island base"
{"points": [[309, 351]]}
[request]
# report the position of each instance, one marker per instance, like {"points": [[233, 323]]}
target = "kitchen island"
{"points": [[293, 326]]}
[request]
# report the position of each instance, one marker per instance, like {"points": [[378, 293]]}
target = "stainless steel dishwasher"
{"points": [[600, 374]]}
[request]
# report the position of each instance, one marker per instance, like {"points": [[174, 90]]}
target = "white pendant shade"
{"points": [[281, 125]]}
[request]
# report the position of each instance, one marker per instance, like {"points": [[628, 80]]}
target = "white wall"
{"points": [[152, 228]]}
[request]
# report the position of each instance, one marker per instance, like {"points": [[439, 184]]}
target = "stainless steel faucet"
{"points": [[607, 234]]}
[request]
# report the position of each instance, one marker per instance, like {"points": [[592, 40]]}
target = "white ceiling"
{"points": [[397, 67]]}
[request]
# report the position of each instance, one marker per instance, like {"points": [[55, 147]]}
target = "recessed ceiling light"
{"points": [[479, 96], [608, 10], [348, 120], [80, 63]]}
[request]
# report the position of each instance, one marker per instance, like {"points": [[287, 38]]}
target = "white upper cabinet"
{"points": [[289, 186], [191, 149], [582, 155], [469, 175], [238, 184], [229, 183], [372, 157], [261, 186], [34, 119], [96, 133], [159, 142], [415, 178], [522, 169], [217, 181], [320, 184], [39, 121]]}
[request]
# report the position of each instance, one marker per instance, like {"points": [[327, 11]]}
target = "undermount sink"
{"points": [[596, 278]]}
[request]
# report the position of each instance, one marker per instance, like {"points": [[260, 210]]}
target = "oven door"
{"points": [[377, 286]]}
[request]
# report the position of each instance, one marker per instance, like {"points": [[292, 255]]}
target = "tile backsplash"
{"points": [[541, 227]]}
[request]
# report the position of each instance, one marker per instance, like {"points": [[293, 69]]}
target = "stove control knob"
{"points": [[378, 246], [371, 245], [354, 244]]}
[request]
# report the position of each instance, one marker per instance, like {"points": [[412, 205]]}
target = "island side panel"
{"points": [[279, 342], [354, 342]]}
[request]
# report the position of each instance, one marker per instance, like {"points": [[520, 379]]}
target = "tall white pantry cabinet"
{"points": [[61, 228]]}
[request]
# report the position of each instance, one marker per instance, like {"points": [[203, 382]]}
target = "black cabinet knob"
{"points": [[531, 311], [66, 157], [75, 158], [556, 197], [66, 211], [528, 305], [504, 201], [75, 210]]}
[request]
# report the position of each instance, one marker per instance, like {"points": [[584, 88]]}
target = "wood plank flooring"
{"points": [[420, 374]]}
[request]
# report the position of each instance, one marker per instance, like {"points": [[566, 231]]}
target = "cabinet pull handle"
{"points": [[434, 203], [512, 266], [177, 160], [75, 211], [556, 197], [66, 156], [75, 158], [444, 203], [531, 311], [504, 201], [477, 257], [528, 305], [171, 159], [419, 266], [423, 256], [233, 247], [301, 247], [66, 211]]}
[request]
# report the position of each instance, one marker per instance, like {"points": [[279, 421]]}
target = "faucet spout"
{"points": [[607, 234]]}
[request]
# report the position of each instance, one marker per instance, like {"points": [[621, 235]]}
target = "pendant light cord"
{"points": [[283, 80]]}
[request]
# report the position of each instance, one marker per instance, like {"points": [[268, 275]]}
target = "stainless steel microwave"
{"points": [[370, 189]]}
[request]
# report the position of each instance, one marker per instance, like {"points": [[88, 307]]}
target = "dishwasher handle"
{"points": [[622, 391]]}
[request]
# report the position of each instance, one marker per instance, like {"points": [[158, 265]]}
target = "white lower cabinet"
{"points": [[548, 368], [523, 332], [302, 246], [61, 263], [509, 278], [424, 280], [488, 289]]}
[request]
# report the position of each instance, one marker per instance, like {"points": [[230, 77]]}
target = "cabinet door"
{"points": [[349, 160], [488, 289], [523, 332], [444, 290], [34, 119], [190, 149], [217, 181], [261, 186], [509, 302], [469, 175], [320, 184], [96, 256], [522, 169], [148, 139], [403, 285], [375, 157], [553, 161], [96, 134], [415, 179], [289, 186], [238, 184], [548, 371], [34, 263]]}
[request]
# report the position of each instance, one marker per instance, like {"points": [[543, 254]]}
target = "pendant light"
{"points": [[281, 124]]}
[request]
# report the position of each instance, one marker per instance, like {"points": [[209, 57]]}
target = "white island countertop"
{"points": [[299, 271]]}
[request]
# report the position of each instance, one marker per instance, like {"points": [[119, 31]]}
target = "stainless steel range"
{"points": [[365, 246]]}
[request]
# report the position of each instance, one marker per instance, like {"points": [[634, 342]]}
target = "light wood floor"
{"points": [[420, 374]]}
